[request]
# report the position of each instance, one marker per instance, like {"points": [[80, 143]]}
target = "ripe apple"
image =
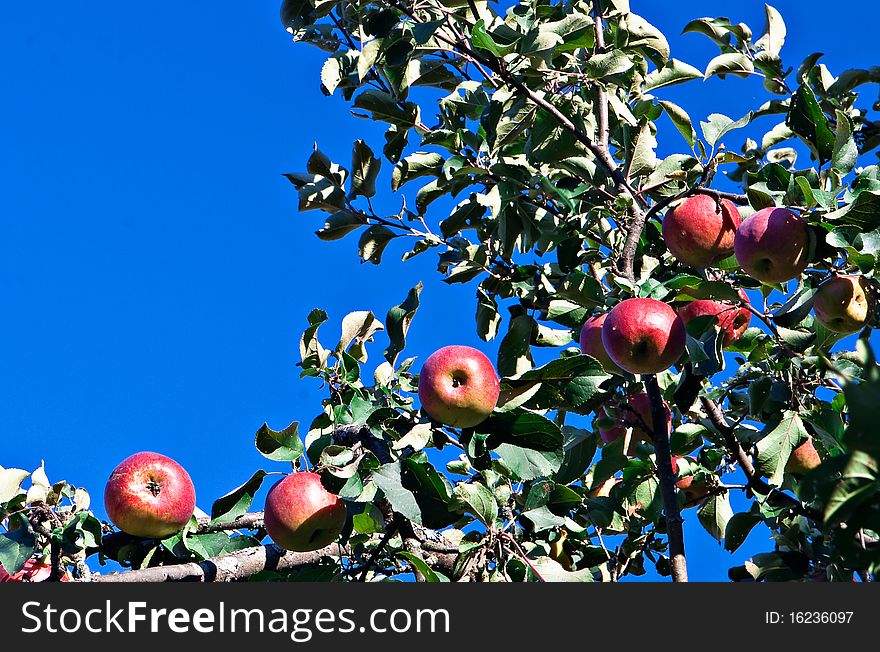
{"points": [[841, 304], [733, 319], [699, 231], [35, 569], [643, 336], [772, 245], [591, 343], [149, 495], [694, 491], [301, 515], [632, 417], [803, 459], [458, 386]]}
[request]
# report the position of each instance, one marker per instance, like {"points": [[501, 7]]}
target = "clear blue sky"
{"points": [[154, 273]]}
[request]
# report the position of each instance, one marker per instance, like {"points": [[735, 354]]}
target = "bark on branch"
{"points": [[233, 567], [667, 481]]}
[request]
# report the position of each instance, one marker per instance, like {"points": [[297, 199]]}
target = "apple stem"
{"points": [[667, 481]]}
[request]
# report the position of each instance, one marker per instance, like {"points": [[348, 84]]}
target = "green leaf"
{"points": [[731, 63], [478, 500], [552, 571], [364, 170], [480, 38], [674, 72], [795, 309], [738, 528], [383, 107], [774, 32], [16, 547], [417, 491], [340, 224], [418, 164], [422, 567], [514, 352], [805, 118], [10, 483], [279, 446], [859, 483], [845, 154], [776, 445], [373, 242], [644, 157], [599, 66], [527, 464], [398, 322], [714, 515], [681, 120], [719, 125], [238, 501], [543, 519], [522, 428], [862, 400]]}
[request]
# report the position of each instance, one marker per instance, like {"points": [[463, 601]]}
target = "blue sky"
{"points": [[154, 272]]}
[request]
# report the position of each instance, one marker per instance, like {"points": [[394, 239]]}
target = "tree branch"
{"points": [[667, 481], [756, 484], [233, 567]]}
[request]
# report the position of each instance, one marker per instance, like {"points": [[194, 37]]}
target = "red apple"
{"points": [[149, 495], [700, 230], [842, 305], [301, 515], [803, 459], [643, 336], [694, 491], [733, 319], [591, 342], [458, 386], [773, 245], [35, 569]]}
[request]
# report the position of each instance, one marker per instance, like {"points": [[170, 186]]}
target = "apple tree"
{"points": [[696, 311]]}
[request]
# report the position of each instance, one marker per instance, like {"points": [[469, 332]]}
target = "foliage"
{"points": [[523, 143]]}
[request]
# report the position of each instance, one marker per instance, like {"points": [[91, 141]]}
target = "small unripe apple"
{"points": [[301, 515], [458, 386], [733, 319], [149, 495], [694, 491], [803, 459], [772, 245], [643, 336], [842, 305], [700, 230], [591, 343]]}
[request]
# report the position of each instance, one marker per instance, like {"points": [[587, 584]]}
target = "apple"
{"points": [[458, 386], [35, 569], [591, 343], [841, 304], [694, 491], [772, 245], [643, 336], [301, 515], [733, 319], [803, 459], [149, 495], [632, 417], [699, 231]]}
